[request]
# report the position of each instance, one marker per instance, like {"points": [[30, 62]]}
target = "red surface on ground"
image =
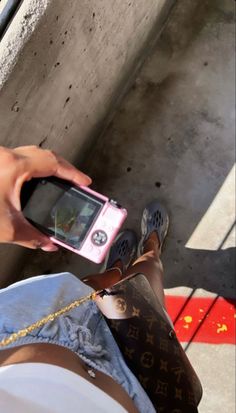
{"points": [[205, 320]]}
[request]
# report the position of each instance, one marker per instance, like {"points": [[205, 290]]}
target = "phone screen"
{"points": [[66, 214]]}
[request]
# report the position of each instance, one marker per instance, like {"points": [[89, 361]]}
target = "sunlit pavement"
{"points": [[172, 138], [205, 325]]}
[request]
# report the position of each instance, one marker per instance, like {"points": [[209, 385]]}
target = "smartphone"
{"points": [[74, 217]]}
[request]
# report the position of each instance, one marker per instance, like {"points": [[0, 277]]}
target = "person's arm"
{"points": [[17, 166]]}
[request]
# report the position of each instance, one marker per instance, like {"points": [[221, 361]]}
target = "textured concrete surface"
{"points": [[68, 74], [78, 18], [172, 138], [215, 365], [19, 28]]}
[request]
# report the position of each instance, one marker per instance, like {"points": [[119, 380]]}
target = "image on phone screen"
{"points": [[67, 215]]}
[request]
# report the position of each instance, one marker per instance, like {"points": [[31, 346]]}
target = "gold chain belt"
{"points": [[50, 317]]}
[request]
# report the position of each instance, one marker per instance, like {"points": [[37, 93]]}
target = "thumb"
{"points": [[28, 236]]}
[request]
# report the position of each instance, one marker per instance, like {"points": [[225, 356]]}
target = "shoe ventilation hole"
{"points": [[157, 219], [123, 247]]}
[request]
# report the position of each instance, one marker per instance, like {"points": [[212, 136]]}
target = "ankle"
{"points": [[152, 244], [118, 265]]}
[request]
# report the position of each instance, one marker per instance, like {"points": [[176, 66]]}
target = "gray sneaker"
{"points": [[155, 218], [123, 249]]}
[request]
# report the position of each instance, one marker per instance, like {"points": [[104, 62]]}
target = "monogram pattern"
{"points": [[143, 380], [147, 359], [163, 365], [136, 312], [149, 338], [129, 352], [162, 388], [133, 332], [178, 372], [178, 393], [152, 350], [120, 305]]}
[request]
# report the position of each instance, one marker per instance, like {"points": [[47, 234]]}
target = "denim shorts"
{"points": [[83, 330]]}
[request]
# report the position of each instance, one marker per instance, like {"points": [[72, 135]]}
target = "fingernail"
{"points": [[87, 178], [50, 248]]}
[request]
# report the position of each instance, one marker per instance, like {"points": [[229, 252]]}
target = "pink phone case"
{"points": [[104, 230]]}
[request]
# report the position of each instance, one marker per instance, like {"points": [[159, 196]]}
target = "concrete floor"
{"points": [[63, 66], [173, 139]]}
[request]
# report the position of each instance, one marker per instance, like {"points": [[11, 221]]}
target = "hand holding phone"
{"points": [[75, 217], [16, 167]]}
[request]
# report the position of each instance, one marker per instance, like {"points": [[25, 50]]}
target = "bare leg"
{"points": [[150, 265], [104, 280]]}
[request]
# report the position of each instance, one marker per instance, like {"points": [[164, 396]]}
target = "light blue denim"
{"points": [[83, 330]]}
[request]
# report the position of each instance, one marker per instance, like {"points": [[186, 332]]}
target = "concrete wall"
{"points": [[63, 66]]}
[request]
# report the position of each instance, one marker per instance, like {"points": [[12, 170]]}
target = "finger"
{"points": [[28, 236], [42, 163], [50, 248], [67, 171]]}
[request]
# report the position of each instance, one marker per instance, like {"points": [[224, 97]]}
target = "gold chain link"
{"points": [[50, 317]]}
